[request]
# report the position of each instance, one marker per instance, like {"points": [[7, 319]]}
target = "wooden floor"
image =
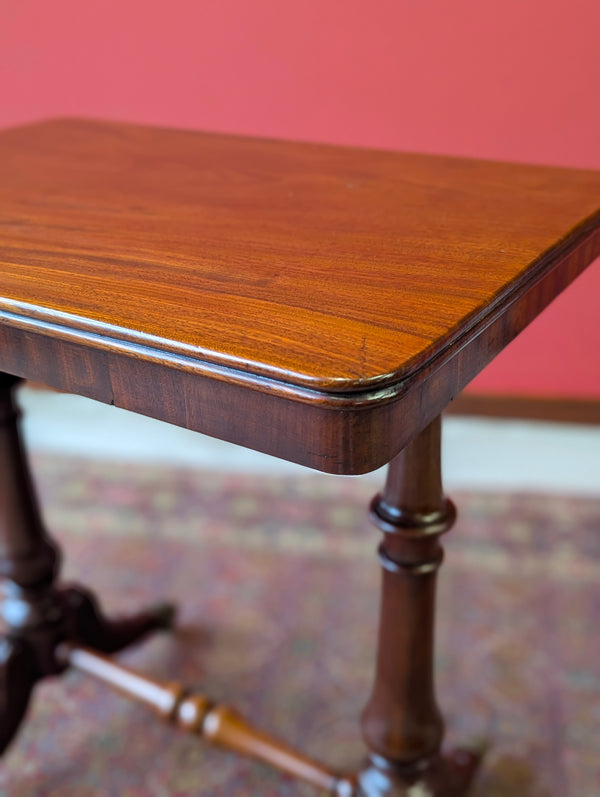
{"points": [[563, 410]]}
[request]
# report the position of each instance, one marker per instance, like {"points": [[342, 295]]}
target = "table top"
{"points": [[328, 276]]}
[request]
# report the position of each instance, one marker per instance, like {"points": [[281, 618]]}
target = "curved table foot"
{"points": [[86, 624]]}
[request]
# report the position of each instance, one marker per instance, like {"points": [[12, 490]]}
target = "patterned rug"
{"points": [[278, 587]]}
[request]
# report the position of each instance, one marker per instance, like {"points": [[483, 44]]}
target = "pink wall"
{"points": [[514, 80]]}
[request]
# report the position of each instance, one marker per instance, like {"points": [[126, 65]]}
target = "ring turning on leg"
{"points": [[402, 724]]}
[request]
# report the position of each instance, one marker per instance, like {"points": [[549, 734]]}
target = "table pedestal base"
{"points": [[38, 614], [28, 652]]}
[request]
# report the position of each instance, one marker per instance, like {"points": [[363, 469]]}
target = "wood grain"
{"points": [[322, 304]]}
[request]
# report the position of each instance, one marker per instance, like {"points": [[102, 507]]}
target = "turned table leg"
{"points": [[38, 614], [402, 724]]}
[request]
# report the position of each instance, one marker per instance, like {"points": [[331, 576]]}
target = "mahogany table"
{"points": [[321, 304]]}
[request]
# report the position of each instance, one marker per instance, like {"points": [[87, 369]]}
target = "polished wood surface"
{"points": [[176, 273], [196, 713], [402, 724], [328, 267]]}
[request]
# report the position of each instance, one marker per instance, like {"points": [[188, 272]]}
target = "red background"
{"points": [[516, 80]]}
